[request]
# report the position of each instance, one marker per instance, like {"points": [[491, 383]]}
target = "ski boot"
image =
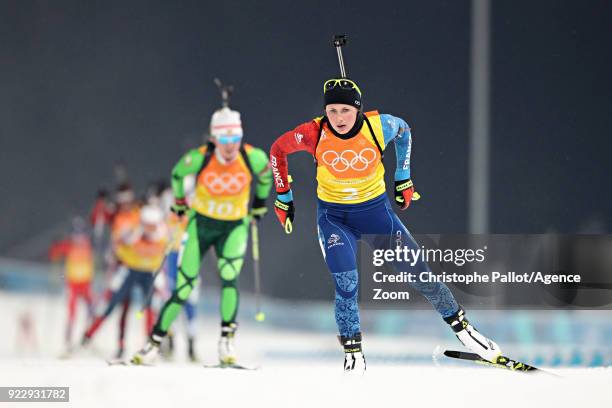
{"points": [[85, 341], [227, 349], [167, 347], [67, 353], [191, 350], [471, 338], [120, 353], [148, 354], [354, 360]]}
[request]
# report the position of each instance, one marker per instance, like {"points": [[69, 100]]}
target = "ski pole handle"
{"points": [[288, 226]]}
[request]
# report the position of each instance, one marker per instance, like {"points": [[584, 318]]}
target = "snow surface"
{"points": [[287, 377]]}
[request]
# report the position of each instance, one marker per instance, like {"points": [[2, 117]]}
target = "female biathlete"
{"points": [[348, 145], [218, 216]]}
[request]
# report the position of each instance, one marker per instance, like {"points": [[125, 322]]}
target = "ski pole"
{"points": [[339, 41], [259, 315], [169, 247]]}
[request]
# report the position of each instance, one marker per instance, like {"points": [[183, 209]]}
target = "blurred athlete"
{"points": [[77, 254], [141, 251], [219, 217], [124, 219]]}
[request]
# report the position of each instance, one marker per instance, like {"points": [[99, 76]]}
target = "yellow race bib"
{"points": [[350, 171], [142, 255], [223, 190], [80, 263]]}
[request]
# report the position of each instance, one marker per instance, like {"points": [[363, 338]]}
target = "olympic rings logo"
{"points": [[349, 159], [225, 182]]}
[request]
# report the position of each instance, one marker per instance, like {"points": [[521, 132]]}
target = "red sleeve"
{"points": [[59, 249], [100, 212], [302, 138]]}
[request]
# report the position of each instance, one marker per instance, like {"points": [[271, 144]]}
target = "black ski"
{"points": [[118, 361], [233, 366], [502, 361], [128, 363], [124, 362]]}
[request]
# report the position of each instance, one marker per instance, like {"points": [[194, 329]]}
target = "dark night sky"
{"points": [[83, 84]]}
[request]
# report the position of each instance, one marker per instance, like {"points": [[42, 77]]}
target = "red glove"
{"points": [[285, 213], [404, 189]]}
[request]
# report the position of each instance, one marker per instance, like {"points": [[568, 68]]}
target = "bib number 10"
{"points": [[223, 209]]}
